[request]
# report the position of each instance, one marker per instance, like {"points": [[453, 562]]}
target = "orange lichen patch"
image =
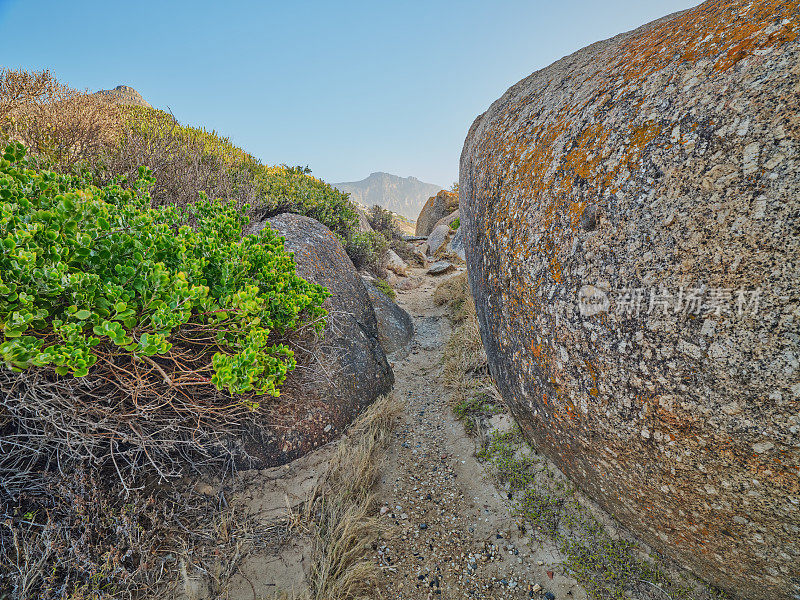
{"points": [[728, 31], [673, 421], [644, 134], [592, 370], [575, 211], [555, 270]]}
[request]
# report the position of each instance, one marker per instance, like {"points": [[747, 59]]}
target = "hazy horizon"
{"points": [[347, 89]]}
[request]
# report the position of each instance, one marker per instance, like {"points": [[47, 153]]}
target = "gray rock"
{"points": [[343, 372], [443, 234], [394, 263], [665, 159], [438, 206], [438, 237], [126, 95], [363, 222], [395, 327], [456, 244], [441, 267]]}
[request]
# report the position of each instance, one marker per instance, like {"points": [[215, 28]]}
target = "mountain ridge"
{"points": [[402, 195]]}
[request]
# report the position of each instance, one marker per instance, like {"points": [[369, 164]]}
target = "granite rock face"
{"points": [[438, 206], [338, 375], [632, 221]]}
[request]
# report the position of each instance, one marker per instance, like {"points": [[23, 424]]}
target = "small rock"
{"points": [[550, 596], [395, 264], [441, 267], [550, 574], [536, 588], [423, 526]]}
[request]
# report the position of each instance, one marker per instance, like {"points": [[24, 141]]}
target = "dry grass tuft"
{"points": [[451, 291], [342, 509], [466, 367]]}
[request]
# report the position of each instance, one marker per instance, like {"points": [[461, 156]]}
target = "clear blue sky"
{"points": [[346, 87]]}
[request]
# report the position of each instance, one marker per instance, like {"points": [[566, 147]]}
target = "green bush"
{"points": [[88, 271], [455, 223], [384, 286]]}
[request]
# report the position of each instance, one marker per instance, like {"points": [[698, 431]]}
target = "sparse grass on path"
{"points": [[341, 510]]}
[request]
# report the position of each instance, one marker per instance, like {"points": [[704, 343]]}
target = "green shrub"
{"points": [[86, 271], [455, 223], [185, 159], [384, 286], [382, 220], [365, 248]]}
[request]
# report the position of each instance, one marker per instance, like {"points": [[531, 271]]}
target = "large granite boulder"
{"points": [[632, 233], [438, 206], [339, 374], [395, 326]]}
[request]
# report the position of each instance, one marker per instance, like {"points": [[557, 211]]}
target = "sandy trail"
{"points": [[456, 533], [457, 536]]}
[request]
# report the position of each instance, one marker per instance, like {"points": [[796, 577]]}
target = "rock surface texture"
{"points": [[440, 232], [394, 263], [438, 206], [456, 244], [338, 375], [395, 327], [655, 177]]}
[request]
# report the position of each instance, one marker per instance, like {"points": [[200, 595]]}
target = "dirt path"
{"points": [[457, 537]]}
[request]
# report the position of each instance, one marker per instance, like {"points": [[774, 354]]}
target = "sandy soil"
{"points": [[456, 536]]}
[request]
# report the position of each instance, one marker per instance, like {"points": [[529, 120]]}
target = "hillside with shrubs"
{"points": [[75, 132], [143, 333]]}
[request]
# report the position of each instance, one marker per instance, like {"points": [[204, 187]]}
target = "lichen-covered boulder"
{"points": [[395, 327], [632, 229], [339, 374], [438, 206]]}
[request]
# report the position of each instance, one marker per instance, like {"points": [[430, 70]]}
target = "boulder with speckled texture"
{"points": [[438, 206], [395, 327], [338, 375], [632, 231]]}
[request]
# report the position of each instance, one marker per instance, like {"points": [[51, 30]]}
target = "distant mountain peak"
{"points": [[402, 195], [125, 94]]}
